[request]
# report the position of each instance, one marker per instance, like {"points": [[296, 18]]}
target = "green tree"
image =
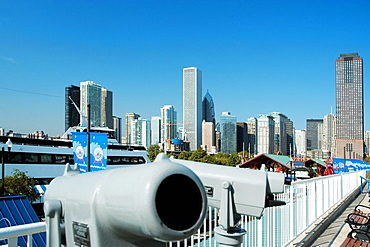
{"points": [[198, 154], [153, 151], [20, 184], [367, 159], [233, 159], [185, 155], [208, 159]]}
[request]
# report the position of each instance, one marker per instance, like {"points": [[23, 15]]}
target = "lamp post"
{"points": [[9, 144]]}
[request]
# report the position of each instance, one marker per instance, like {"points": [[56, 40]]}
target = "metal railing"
{"points": [[306, 201], [12, 233]]}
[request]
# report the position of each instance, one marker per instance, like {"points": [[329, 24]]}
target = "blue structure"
{"points": [[17, 210], [349, 165]]}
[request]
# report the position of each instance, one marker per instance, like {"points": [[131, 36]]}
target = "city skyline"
{"points": [[255, 57]]}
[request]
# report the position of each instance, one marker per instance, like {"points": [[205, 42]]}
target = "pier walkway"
{"points": [[331, 231]]}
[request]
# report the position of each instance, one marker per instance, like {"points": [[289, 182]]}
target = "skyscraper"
{"points": [[280, 132], [252, 135], [314, 133], [265, 134], [169, 123], [241, 136], [107, 108], [91, 94], [140, 132], [72, 117], [156, 130], [192, 105], [129, 118], [228, 133], [350, 106], [208, 137], [117, 126], [208, 109], [329, 134]]}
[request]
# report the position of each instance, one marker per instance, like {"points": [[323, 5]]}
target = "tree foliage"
{"points": [[20, 184], [153, 151]]}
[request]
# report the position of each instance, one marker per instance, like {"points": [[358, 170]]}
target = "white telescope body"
{"points": [[251, 188], [129, 206]]}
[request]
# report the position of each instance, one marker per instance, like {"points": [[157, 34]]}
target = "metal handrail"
{"points": [[13, 232]]}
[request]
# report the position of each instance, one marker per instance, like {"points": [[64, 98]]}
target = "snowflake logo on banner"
{"points": [[80, 152], [98, 154]]}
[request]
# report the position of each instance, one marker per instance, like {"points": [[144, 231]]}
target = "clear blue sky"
{"points": [[256, 56]]}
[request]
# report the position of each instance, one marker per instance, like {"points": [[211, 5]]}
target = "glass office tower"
{"points": [[349, 106]]}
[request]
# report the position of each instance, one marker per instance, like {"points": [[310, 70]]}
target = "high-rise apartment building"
{"points": [[241, 136], [72, 117], [314, 133], [280, 140], [129, 118], [300, 143], [265, 134], [208, 109], [91, 93], [367, 142], [107, 108], [329, 134], [252, 135], [228, 133], [156, 130], [349, 106], [169, 123], [208, 137], [192, 106], [140, 132], [117, 126], [290, 137]]}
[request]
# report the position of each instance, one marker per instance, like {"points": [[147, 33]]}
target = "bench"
{"points": [[358, 218], [356, 238]]}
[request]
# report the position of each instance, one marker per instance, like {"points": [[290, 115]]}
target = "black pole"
{"points": [[88, 137], [344, 158], [2, 171]]}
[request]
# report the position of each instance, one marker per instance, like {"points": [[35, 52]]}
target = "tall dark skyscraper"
{"points": [[208, 109], [313, 133], [72, 117], [349, 106]]}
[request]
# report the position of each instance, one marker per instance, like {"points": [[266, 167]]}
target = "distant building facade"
{"points": [[107, 108], [91, 94], [241, 136], [117, 126], [290, 137], [280, 139], [265, 134], [72, 117], [314, 133], [192, 106], [129, 118], [252, 135], [169, 123], [329, 134], [156, 130], [208, 109], [228, 133], [140, 132], [300, 143], [349, 106], [208, 137]]}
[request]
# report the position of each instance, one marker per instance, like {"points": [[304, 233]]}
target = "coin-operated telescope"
{"points": [[236, 191], [142, 205]]}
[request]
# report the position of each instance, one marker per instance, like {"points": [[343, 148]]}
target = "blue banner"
{"points": [[98, 150], [349, 165]]}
